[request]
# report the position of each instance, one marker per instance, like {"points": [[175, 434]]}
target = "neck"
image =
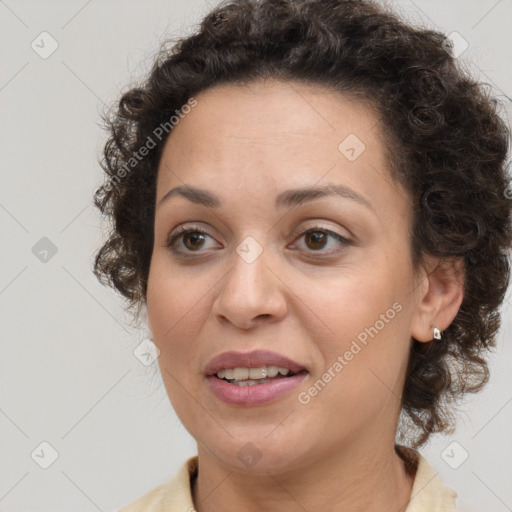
{"points": [[352, 480]]}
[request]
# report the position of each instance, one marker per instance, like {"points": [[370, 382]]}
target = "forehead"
{"points": [[274, 135], [273, 110]]}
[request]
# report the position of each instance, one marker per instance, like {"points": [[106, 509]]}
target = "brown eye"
{"points": [[188, 240], [321, 240], [193, 240], [316, 239]]}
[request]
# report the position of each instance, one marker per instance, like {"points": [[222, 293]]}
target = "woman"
{"points": [[309, 202]]}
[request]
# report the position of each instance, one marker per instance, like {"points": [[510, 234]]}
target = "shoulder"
{"points": [[170, 496]]}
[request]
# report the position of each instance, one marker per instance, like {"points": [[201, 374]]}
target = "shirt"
{"points": [[429, 494]]}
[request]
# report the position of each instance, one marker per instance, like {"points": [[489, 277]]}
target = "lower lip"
{"points": [[254, 395]]}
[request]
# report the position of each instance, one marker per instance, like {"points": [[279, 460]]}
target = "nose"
{"points": [[251, 293]]}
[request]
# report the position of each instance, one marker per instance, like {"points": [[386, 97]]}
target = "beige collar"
{"points": [[429, 494]]}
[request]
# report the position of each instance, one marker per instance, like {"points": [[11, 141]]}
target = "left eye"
{"points": [[318, 238]]}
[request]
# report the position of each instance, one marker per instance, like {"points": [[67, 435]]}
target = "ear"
{"points": [[439, 296]]}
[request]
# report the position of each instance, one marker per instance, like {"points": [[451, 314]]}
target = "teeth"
{"points": [[257, 373], [241, 373], [244, 374], [249, 382], [226, 374], [272, 371]]}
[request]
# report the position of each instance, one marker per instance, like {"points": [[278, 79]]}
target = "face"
{"points": [[323, 279]]}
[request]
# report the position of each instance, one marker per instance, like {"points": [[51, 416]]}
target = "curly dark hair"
{"points": [[447, 147]]}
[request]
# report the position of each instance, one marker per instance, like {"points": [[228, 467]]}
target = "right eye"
{"points": [[184, 240]]}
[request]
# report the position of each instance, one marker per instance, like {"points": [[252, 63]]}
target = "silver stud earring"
{"points": [[437, 333]]}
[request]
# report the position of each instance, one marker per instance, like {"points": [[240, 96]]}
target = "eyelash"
{"points": [[181, 231]]}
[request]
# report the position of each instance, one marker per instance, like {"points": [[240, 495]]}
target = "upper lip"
{"points": [[252, 359]]}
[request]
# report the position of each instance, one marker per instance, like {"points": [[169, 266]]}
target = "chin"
{"points": [[257, 454]]}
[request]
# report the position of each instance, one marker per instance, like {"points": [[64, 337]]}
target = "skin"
{"points": [[299, 298]]}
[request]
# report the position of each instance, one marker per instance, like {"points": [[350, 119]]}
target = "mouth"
{"points": [[253, 378], [258, 364]]}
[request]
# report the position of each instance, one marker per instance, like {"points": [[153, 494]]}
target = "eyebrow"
{"points": [[286, 199]]}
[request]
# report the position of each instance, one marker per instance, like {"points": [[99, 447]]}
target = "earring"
{"points": [[437, 333]]}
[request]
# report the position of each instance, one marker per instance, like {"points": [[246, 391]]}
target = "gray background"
{"points": [[68, 374]]}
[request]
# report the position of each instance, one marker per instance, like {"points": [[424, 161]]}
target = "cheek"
{"points": [[344, 304], [361, 319], [173, 306], [363, 366]]}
